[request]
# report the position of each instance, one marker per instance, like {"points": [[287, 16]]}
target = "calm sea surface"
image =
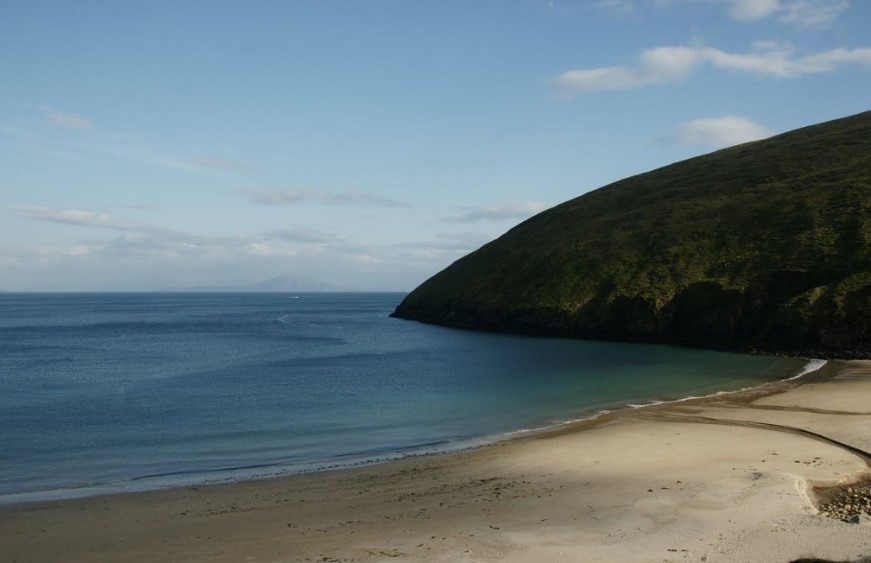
{"points": [[113, 392]]}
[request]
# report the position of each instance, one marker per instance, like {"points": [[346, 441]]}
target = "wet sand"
{"points": [[726, 478]]}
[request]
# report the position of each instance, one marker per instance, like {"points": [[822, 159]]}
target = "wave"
{"points": [[811, 366]]}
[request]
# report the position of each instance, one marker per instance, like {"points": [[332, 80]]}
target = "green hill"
{"points": [[763, 246]]}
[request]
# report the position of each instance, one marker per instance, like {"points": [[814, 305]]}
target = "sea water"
{"points": [[120, 392]]}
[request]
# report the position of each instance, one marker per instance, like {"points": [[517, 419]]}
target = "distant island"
{"points": [[278, 284], [765, 246]]}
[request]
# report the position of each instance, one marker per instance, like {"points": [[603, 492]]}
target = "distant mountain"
{"points": [[763, 246], [279, 284]]}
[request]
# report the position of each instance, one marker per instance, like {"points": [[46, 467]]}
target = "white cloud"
{"points": [[80, 250], [655, 66], [281, 197], [138, 239], [779, 60], [617, 6], [426, 256], [814, 14], [803, 14], [769, 57], [465, 242], [672, 64], [445, 244], [301, 234], [498, 212], [292, 197], [138, 256], [80, 217], [361, 198], [365, 259], [721, 132], [752, 10], [67, 120], [217, 163], [134, 238], [263, 249]]}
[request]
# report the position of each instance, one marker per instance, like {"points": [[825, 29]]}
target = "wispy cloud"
{"points": [[802, 14], [67, 120], [294, 197], [655, 66], [129, 148], [465, 241], [216, 163], [115, 145], [133, 238], [672, 64], [441, 250], [138, 255], [751, 10], [363, 198], [79, 217], [619, 7], [813, 13], [497, 212], [152, 240], [301, 234], [779, 60], [719, 132]]}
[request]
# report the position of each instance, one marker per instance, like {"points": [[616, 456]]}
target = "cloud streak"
{"points": [[115, 253], [215, 163], [116, 145], [663, 65], [79, 217], [67, 120], [655, 66], [807, 14], [802, 14], [751, 10], [295, 197], [720, 132], [618, 7], [145, 235], [301, 234], [498, 212]]}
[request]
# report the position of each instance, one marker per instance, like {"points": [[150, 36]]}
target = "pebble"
{"points": [[850, 506]]}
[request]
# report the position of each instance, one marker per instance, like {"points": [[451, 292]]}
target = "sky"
{"points": [[164, 144]]}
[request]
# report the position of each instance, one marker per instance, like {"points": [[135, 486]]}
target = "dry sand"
{"points": [[721, 479]]}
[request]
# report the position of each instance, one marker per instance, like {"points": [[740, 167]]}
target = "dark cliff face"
{"points": [[763, 246]]}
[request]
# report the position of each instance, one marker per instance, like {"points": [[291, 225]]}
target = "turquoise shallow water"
{"points": [[112, 392]]}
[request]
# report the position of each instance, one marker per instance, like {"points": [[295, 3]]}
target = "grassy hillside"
{"points": [[766, 246]]}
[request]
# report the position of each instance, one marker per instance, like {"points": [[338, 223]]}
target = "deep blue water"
{"points": [[106, 392]]}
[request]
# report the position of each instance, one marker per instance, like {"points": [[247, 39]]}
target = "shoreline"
{"points": [[737, 346], [233, 475], [723, 478]]}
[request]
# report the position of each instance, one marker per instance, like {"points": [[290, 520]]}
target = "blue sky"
{"points": [[152, 144]]}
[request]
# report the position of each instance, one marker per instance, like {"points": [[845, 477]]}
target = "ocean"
{"points": [[120, 392]]}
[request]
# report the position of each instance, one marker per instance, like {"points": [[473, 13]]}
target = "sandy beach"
{"points": [[728, 478]]}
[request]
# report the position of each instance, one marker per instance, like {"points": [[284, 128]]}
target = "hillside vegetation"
{"points": [[763, 246]]}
